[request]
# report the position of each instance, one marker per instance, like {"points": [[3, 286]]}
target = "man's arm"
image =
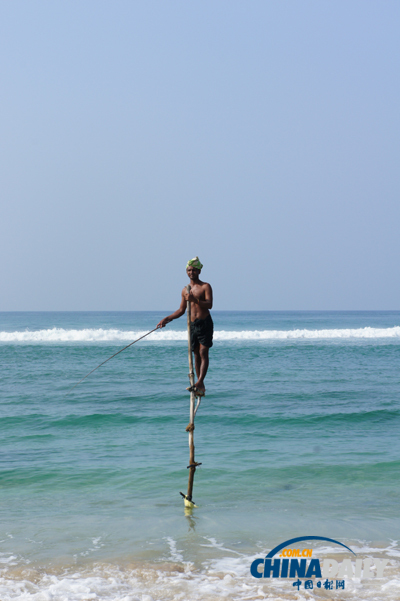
{"points": [[178, 313]]}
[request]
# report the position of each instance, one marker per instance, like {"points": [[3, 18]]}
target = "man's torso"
{"points": [[199, 291]]}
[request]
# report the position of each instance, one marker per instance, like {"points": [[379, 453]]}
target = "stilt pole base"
{"points": [[188, 502]]}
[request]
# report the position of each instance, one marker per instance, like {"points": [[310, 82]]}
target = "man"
{"points": [[201, 327]]}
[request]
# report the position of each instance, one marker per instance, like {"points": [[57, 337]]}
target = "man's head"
{"points": [[195, 263], [193, 268]]}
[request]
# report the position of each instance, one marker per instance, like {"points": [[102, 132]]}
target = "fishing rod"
{"points": [[117, 353]]}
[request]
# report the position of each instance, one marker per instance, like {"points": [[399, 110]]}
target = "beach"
{"points": [[297, 435]]}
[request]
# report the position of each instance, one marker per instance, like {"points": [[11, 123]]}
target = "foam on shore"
{"points": [[175, 576]]}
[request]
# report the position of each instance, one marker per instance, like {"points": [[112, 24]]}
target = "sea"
{"points": [[298, 435]]}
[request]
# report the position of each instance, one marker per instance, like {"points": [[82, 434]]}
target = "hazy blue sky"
{"points": [[263, 136]]}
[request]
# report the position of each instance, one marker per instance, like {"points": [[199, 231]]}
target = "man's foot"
{"points": [[199, 389]]}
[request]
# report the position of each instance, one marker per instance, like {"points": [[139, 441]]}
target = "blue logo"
{"points": [[299, 563]]}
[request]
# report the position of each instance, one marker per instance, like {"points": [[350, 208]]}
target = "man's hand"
{"points": [[189, 296], [163, 322]]}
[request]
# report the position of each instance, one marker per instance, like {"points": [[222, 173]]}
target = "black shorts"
{"points": [[201, 332]]}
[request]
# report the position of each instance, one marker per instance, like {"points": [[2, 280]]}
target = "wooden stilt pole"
{"points": [[192, 464]]}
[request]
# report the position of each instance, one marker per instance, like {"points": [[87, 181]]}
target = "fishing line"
{"points": [[117, 353]]}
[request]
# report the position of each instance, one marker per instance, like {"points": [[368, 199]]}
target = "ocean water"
{"points": [[298, 435]]}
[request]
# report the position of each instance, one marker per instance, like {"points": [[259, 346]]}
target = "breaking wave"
{"points": [[114, 335]]}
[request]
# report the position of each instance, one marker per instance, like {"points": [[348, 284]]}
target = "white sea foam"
{"points": [[175, 555], [114, 335], [223, 577], [8, 559]]}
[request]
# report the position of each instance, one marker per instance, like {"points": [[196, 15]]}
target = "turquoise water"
{"points": [[298, 434]]}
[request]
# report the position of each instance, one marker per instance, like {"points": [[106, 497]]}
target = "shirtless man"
{"points": [[201, 327]]}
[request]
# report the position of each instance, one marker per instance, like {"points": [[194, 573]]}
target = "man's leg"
{"points": [[197, 360], [202, 366]]}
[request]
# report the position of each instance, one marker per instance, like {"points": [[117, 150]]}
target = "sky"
{"points": [[262, 136]]}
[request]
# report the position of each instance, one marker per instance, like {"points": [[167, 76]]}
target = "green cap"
{"points": [[194, 263]]}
